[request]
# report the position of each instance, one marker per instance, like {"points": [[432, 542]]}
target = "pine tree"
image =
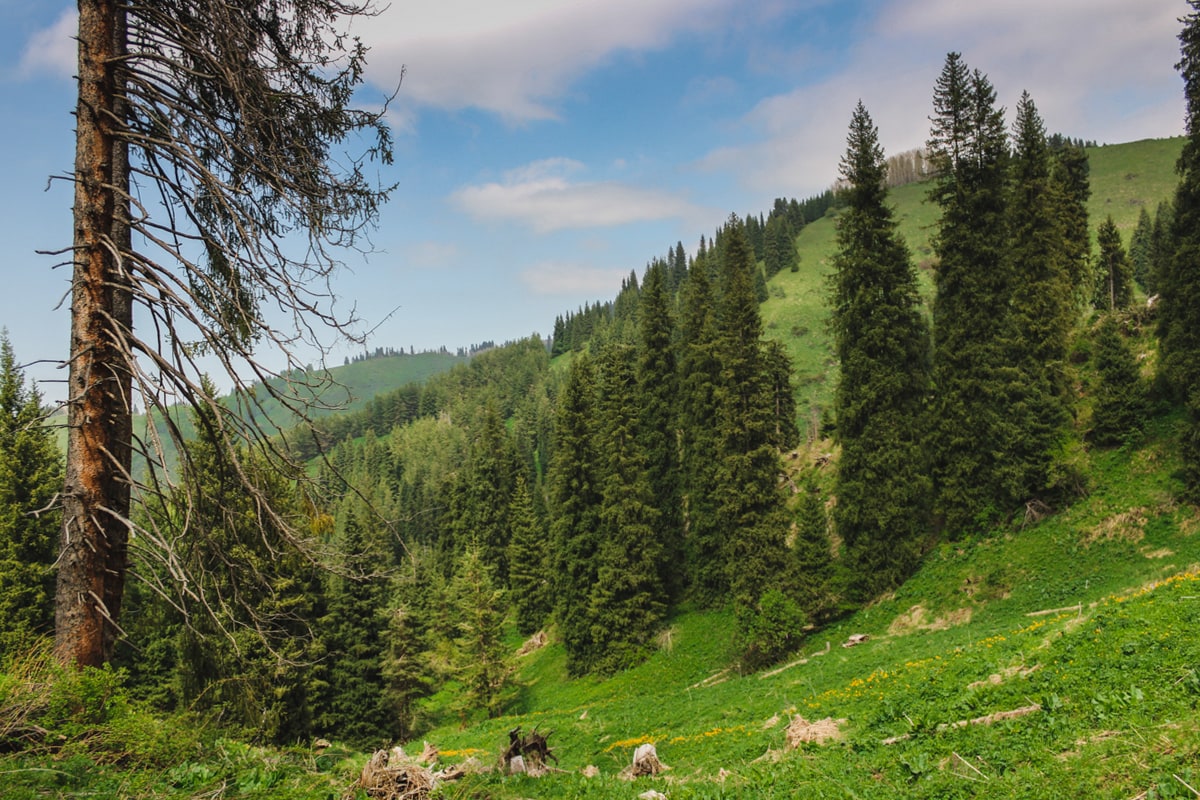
{"points": [[1114, 273], [780, 244], [238, 637], [1043, 308], [812, 556], [487, 490], [882, 343], [1119, 405], [658, 399], [30, 476], [407, 677], [629, 599], [479, 648], [968, 150], [1071, 184], [575, 501], [699, 375], [778, 364], [1179, 287], [1162, 244], [1141, 245], [355, 708], [529, 577], [750, 510]]}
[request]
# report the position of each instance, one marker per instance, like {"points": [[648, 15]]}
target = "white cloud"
{"points": [[540, 196], [53, 50], [1098, 69], [516, 58], [561, 278]]}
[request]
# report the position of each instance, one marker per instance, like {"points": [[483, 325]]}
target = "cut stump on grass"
{"points": [[396, 776], [645, 763], [387, 778]]}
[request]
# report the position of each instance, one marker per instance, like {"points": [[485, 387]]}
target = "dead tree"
{"points": [[211, 183]]}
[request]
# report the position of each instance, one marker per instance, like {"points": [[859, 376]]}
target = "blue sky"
{"points": [[545, 148]]}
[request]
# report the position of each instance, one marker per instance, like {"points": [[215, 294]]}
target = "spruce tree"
{"points": [[1141, 245], [1179, 287], [1162, 244], [1119, 399], [407, 677], [1114, 273], [355, 707], [30, 476], [486, 489], [1070, 180], [658, 401], [1043, 308], [882, 343], [699, 375], [779, 243], [629, 598], [575, 501], [529, 576], [750, 510], [479, 647], [814, 567], [239, 635], [968, 150], [778, 364]]}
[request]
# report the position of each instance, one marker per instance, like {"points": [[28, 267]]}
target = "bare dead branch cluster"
{"points": [[224, 171]]}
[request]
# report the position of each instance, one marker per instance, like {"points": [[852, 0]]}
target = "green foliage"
{"points": [[529, 573], [1179, 311], [1070, 180], [968, 150], [575, 499], [406, 672], [1119, 407], [1114, 272], [479, 658], [1045, 268], [882, 344], [353, 706], [814, 568], [1113, 653], [699, 371], [629, 598], [1141, 245], [235, 637], [31, 471], [772, 631], [749, 510], [658, 381]]}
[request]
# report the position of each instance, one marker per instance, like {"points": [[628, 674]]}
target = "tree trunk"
{"points": [[93, 561]]}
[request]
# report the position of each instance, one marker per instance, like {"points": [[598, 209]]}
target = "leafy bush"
{"points": [[45, 706], [773, 631]]}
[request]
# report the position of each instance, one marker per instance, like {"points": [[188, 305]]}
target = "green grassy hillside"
{"points": [[1124, 179], [1083, 624], [350, 387]]}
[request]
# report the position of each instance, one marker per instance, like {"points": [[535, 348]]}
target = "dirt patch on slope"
{"points": [[917, 619]]}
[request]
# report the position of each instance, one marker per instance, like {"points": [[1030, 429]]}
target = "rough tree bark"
{"points": [[92, 565]]}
